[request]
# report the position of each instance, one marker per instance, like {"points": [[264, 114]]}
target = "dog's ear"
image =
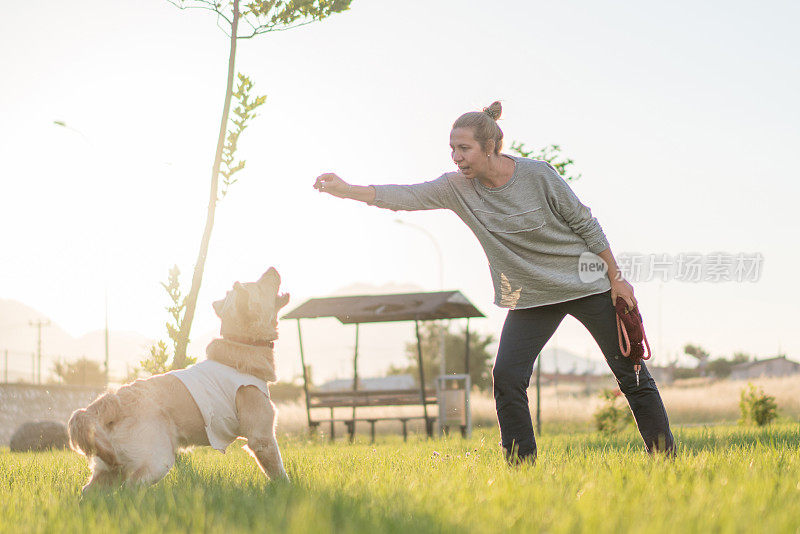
{"points": [[217, 305], [242, 298], [271, 276], [281, 300]]}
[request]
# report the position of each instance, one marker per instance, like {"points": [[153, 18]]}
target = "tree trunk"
{"points": [[197, 279]]}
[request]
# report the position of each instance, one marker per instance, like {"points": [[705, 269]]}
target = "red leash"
{"points": [[631, 335]]}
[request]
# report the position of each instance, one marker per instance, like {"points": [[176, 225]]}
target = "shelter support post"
{"points": [[466, 351], [305, 375], [466, 430], [428, 426], [355, 389]]}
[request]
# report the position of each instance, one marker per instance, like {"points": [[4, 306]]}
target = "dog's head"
{"points": [[250, 311]]}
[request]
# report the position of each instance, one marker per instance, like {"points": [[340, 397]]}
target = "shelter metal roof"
{"points": [[387, 308]]}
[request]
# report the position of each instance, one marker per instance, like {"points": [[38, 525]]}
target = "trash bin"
{"points": [[454, 408]]}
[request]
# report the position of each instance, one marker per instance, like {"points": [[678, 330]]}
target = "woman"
{"points": [[534, 230]]}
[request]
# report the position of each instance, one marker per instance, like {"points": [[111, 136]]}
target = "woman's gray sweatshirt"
{"points": [[533, 230]]}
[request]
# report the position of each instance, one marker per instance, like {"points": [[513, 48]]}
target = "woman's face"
{"points": [[472, 160]]}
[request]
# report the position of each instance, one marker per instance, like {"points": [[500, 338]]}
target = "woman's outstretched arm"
{"points": [[333, 185], [436, 194]]}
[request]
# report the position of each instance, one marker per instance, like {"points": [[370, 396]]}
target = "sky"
{"points": [[682, 119]]}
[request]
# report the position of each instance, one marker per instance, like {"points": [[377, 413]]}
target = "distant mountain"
{"points": [[328, 345], [19, 338], [16, 333]]}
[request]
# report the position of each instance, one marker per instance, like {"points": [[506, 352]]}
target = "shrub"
{"points": [[285, 392], [612, 417], [157, 361], [685, 372], [757, 407], [81, 372]]}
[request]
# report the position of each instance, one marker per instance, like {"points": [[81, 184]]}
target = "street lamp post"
{"points": [[105, 267], [435, 245], [442, 364]]}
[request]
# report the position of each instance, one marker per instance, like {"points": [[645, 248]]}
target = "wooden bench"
{"points": [[367, 399]]}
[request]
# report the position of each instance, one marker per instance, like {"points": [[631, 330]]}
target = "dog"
{"points": [[132, 434]]}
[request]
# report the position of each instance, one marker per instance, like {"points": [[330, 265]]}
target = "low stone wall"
{"points": [[25, 402]]}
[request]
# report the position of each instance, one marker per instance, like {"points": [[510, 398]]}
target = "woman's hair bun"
{"points": [[494, 110], [484, 127]]}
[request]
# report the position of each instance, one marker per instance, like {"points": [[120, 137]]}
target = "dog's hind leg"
{"points": [[151, 455], [256, 415]]}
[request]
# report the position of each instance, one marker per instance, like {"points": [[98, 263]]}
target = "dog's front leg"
{"points": [[103, 477], [268, 456], [257, 423]]}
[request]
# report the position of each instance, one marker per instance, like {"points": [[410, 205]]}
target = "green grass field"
{"points": [[724, 479]]}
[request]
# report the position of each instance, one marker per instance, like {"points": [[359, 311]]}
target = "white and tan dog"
{"points": [[132, 434]]}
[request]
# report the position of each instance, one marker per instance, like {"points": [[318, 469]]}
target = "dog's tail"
{"points": [[89, 428]]}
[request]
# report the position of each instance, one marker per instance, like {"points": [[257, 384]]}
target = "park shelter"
{"points": [[363, 309]]}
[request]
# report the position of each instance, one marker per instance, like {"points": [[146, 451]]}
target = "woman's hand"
{"points": [[333, 185], [621, 288]]}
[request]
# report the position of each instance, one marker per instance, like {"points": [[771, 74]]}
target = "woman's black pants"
{"points": [[527, 330]]}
